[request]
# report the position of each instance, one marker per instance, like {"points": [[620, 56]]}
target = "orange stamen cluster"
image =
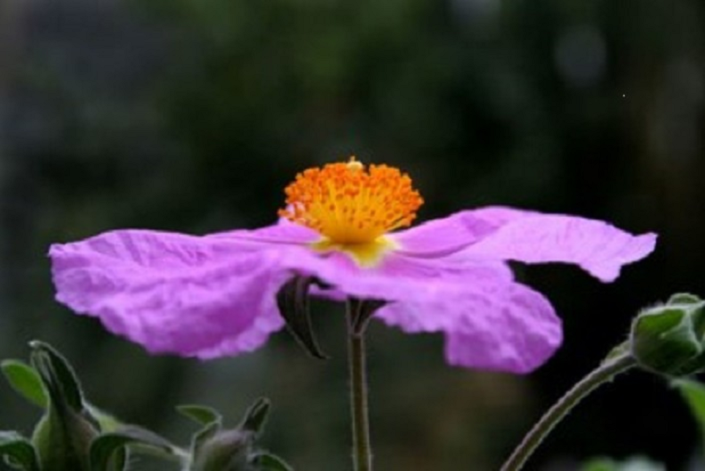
{"points": [[349, 204]]}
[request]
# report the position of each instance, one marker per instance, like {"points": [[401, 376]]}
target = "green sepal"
{"points": [[56, 375], [202, 436], [294, 307], [106, 422], [18, 452], [670, 338], [265, 461], [209, 418], [617, 352], [108, 452], [683, 298], [663, 340], [226, 450], [63, 436], [256, 416], [26, 381], [211, 421], [216, 449]]}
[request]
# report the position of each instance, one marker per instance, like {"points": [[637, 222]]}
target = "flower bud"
{"points": [[227, 450], [216, 449], [670, 338], [63, 436]]}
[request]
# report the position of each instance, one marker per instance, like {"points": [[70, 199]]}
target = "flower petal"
{"points": [[283, 232], [398, 277], [249, 339], [598, 247], [442, 236], [506, 327], [194, 296]]}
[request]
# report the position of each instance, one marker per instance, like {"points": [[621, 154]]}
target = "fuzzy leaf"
{"points": [[18, 451], [106, 421], [206, 416], [105, 446], [203, 415], [256, 416], [57, 375], [26, 381], [201, 437]]}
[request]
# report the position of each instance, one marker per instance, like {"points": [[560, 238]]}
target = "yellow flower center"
{"points": [[352, 206]]}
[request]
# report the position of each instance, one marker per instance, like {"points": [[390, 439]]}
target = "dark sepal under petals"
{"points": [[293, 303]]}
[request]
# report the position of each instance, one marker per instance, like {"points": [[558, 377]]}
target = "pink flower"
{"points": [[214, 295]]}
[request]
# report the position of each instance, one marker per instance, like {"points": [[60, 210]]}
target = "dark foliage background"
{"points": [[192, 115]]}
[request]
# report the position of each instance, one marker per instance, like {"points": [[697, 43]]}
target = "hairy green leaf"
{"points": [[57, 375], [18, 451], [26, 381], [107, 445], [256, 416], [203, 415]]}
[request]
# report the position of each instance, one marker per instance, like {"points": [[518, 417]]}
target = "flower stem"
{"points": [[362, 453], [602, 374]]}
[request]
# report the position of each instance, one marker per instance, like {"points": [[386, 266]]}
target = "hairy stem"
{"points": [[362, 453], [602, 374]]}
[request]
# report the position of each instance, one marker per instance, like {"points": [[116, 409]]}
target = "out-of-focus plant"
{"points": [[74, 435], [637, 463]]}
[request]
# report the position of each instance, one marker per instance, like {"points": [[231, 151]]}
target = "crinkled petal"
{"points": [[251, 338], [598, 247], [194, 296], [441, 236], [503, 327], [495, 216], [398, 277], [283, 232]]}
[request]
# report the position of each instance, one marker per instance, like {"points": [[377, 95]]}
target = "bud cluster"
{"points": [[74, 435]]}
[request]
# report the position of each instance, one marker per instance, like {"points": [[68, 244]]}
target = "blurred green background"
{"points": [[192, 116]]}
